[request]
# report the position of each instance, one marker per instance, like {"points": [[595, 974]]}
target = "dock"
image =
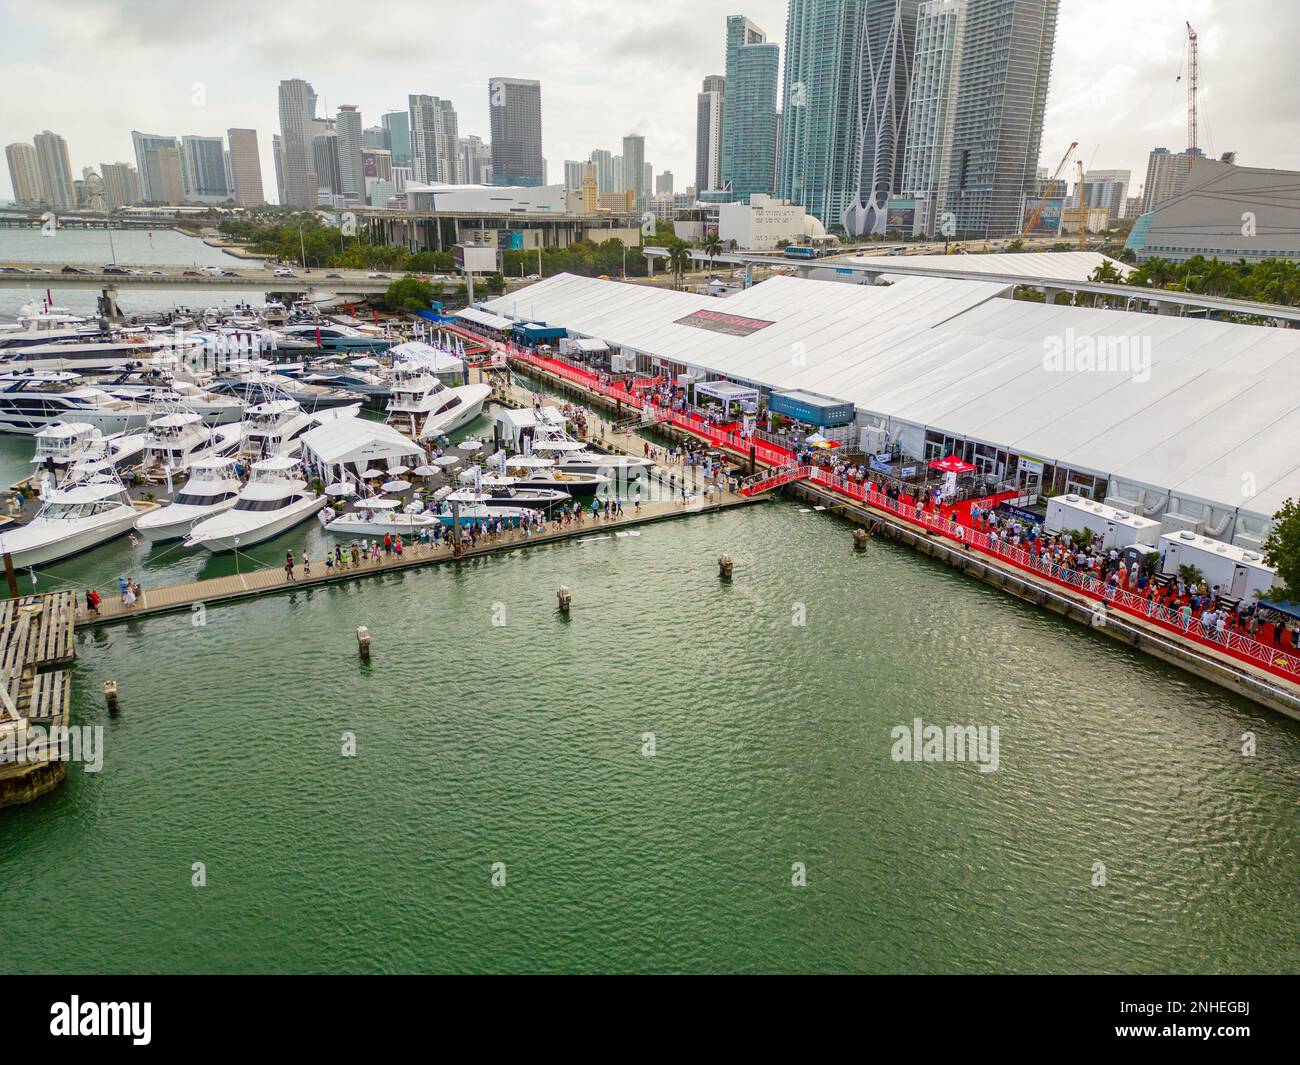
{"points": [[268, 580], [36, 649]]}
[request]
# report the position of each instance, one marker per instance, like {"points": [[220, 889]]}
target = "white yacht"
{"points": [[573, 456], [157, 385], [70, 346], [273, 428], [276, 498], [211, 489], [379, 517], [533, 472], [495, 491], [423, 408], [175, 441], [30, 400], [75, 517]]}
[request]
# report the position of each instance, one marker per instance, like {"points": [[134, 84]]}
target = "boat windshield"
{"points": [[265, 504], [203, 499], [73, 511]]}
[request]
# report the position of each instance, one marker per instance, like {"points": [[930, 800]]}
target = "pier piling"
{"points": [[11, 578], [564, 597], [724, 567], [860, 538], [363, 641], [110, 696]]}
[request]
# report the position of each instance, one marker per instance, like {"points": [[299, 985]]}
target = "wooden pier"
{"points": [[270, 579], [35, 639]]}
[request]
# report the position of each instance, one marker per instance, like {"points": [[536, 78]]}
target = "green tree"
{"points": [[679, 259], [1282, 549], [408, 294], [712, 247]]}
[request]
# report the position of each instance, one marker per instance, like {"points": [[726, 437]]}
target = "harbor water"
{"points": [[649, 776]]}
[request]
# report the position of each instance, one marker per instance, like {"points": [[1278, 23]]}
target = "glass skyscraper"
{"points": [[515, 111], [1006, 60], [749, 109]]}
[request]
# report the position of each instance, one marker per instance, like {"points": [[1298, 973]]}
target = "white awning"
{"points": [[483, 318], [355, 441]]}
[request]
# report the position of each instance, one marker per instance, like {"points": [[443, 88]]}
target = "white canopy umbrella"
{"points": [[447, 460], [399, 470], [470, 445], [396, 486], [427, 471], [378, 503], [371, 473], [339, 488]]}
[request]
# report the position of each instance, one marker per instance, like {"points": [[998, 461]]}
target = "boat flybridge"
{"points": [[274, 427], [176, 440], [211, 489], [573, 456], [61, 444], [424, 408], [275, 499], [75, 517], [30, 400]]}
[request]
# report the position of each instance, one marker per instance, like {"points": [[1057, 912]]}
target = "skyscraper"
{"points": [[25, 174], [936, 63], [475, 161], [1006, 61], [573, 173], [634, 164], [398, 126], [348, 126], [749, 108], [121, 185], [146, 163], [708, 133], [1105, 188], [297, 111], [603, 161], [169, 181], [664, 184], [880, 110], [245, 167], [1166, 176], [818, 131], [203, 169], [55, 169], [277, 155], [515, 108], [435, 141], [327, 166]]}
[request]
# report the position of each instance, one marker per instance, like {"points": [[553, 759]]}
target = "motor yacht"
{"points": [[496, 491], [573, 456], [257, 381], [61, 444], [424, 408], [30, 400], [75, 517], [533, 472], [275, 499], [212, 488], [380, 517], [153, 384]]}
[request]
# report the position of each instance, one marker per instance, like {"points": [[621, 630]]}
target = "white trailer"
{"points": [[1115, 528], [1235, 571]]}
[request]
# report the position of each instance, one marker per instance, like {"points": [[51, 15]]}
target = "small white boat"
{"points": [[73, 518], [275, 499], [377, 517], [212, 488]]}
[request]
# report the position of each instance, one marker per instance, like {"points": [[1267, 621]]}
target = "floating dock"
{"points": [[35, 640]]}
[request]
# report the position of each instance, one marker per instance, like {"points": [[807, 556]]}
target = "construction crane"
{"points": [[1037, 212], [1193, 75], [1083, 209]]}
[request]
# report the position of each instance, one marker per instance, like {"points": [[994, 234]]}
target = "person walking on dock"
{"points": [[288, 566], [122, 586], [92, 602]]}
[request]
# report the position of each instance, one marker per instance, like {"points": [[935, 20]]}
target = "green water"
{"points": [[522, 744]]}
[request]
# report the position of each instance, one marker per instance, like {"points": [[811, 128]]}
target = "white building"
{"points": [[764, 222], [486, 199]]}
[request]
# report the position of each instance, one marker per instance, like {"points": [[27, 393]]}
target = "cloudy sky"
{"points": [[93, 70]]}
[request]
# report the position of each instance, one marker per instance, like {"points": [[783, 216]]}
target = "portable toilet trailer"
{"points": [[1115, 528], [1235, 571]]}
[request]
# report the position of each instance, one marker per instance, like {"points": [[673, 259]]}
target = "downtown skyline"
{"points": [[1118, 97]]}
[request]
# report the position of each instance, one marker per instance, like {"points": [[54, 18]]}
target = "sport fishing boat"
{"points": [[211, 489], [30, 400], [75, 517], [380, 517], [424, 408], [177, 440], [275, 499], [274, 427], [61, 444], [532, 472]]}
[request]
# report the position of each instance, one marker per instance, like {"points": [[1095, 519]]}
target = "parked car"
{"points": [[190, 273], [282, 271], [377, 276], [73, 270], [336, 276], [155, 273], [114, 270]]}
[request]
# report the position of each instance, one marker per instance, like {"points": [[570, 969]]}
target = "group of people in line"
{"points": [[128, 589]]}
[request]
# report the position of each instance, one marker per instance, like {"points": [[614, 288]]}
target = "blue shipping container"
{"points": [[814, 410]]}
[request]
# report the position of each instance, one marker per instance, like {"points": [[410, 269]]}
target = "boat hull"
{"points": [[218, 538], [177, 524], [33, 549]]}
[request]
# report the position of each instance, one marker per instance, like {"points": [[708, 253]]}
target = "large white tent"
{"points": [[354, 444], [1171, 425]]}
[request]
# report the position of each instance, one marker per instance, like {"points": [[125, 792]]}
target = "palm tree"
{"points": [[1106, 274], [679, 259], [711, 247]]}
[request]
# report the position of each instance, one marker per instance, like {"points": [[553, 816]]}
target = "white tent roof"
{"points": [[1046, 265], [491, 321], [355, 440], [947, 355]]}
